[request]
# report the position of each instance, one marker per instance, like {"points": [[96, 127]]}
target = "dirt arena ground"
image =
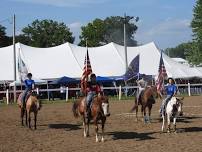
{"points": [[59, 131]]}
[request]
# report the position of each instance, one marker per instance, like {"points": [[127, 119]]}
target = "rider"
{"points": [[171, 90], [29, 85], [92, 89], [142, 84]]}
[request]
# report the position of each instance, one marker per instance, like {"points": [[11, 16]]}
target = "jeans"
{"points": [[24, 95], [164, 103], [89, 98]]}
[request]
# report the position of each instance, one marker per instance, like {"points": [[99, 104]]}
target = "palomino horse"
{"points": [[146, 99], [32, 105], [172, 109], [99, 112]]}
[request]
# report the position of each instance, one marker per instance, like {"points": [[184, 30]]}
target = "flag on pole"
{"points": [[162, 74], [22, 69], [133, 69], [87, 70]]}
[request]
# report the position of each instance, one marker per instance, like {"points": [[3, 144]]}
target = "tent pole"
{"points": [[47, 90]]}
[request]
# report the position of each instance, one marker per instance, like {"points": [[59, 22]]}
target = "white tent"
{"points": [[108, 60]]}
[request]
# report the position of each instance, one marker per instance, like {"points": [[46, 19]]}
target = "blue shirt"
{"points": [[171, 89], [29, 83]]}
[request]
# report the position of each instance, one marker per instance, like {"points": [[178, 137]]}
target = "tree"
{"points": [[101, 32], [179, 51], [196, 24], [94, 32], [115, 33], [4, 40], [46, 33], [193, 54]]}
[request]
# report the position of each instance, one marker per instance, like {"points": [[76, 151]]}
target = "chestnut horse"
{"points": [[32, 105], [146, 100], [99, 112]]}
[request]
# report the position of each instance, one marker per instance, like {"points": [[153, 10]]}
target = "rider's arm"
{"points": [[33, 85], [26, 84]]}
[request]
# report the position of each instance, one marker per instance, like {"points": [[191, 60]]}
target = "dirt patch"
{"points": [[58, 130]]}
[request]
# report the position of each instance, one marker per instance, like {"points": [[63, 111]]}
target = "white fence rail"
{"points": [[190, 89]]}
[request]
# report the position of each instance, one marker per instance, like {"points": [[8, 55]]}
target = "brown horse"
{"points": [[99, 112], [146, 100], [32, 105]]}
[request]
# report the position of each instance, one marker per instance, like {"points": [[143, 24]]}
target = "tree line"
{"points": [[49, 33]]}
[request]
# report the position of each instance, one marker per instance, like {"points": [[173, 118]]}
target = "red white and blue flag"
{"points": [[162, 74], [87, 70]]}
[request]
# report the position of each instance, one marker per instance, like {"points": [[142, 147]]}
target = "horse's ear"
{"points": [[180, 98]]}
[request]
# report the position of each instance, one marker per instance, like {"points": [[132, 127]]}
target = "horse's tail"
{"points": [[135, 105], [75, 109]]}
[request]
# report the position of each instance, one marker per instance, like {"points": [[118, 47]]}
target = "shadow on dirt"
{"points": [[64, 126], [191, 129], [117, 135]]}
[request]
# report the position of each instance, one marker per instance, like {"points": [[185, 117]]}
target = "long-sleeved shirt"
{"points": [[29, 83], [171, 89]]}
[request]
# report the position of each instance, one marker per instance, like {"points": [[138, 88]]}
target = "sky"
{"points": [[165, 22]]}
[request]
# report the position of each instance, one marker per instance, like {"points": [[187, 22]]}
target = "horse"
{"points": [[172, 109], [146, 100], [32, 105], [99, 112]]}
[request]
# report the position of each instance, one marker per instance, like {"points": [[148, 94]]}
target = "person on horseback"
{"points": [[29, 85], [171, 90], [142, 84], [92, 89]]}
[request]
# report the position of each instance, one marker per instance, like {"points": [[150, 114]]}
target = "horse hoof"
{"points": [[97, 140], [103, 140]]}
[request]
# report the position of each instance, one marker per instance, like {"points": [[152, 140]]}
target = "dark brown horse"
{"points": [[32, 105], [99, 112], [146, 100]]}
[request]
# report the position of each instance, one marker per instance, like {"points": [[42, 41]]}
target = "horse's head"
{"points": [[178, 103], [105, 105], [36, 100], [154, 91]]}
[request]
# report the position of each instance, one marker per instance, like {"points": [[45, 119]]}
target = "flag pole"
{"points": [[86, 68], [14, 58]]}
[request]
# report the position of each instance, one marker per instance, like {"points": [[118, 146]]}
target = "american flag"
{"points": [[162, 74], [22, 69], [87, 70]]}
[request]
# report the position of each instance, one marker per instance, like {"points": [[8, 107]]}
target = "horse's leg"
{"points": [[35, 119], [149, 108], [137, 113], [84, 126], [144, 112], [174, 124], [88, 123], [22, 115], [26, 116], [168, 120], [103, 125], [163, 124], [29, 119], [96, 132]]}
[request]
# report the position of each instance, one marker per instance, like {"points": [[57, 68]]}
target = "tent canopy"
{"points": [[107, 61], [64, 80]]}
